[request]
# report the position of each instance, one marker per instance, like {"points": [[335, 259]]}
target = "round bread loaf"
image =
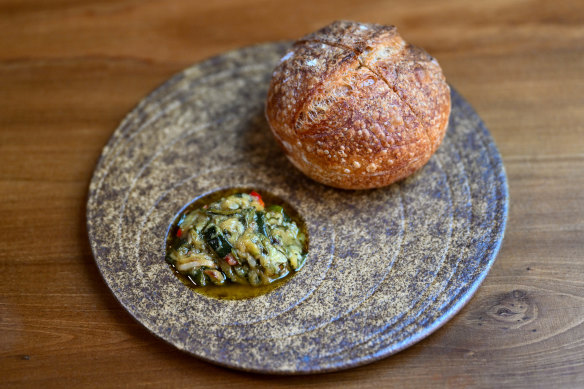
{"points": [[354, 106]]}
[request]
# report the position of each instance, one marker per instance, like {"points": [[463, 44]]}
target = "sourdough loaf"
{"points": [[354, 106]]}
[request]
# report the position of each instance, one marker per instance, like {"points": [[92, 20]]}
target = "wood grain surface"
{"points": [[71, 70]]}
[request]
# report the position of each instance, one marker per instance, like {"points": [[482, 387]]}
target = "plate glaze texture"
{"points": [[385, 267]]}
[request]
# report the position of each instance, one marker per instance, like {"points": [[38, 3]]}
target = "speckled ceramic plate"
{"points": [[385, 268]]}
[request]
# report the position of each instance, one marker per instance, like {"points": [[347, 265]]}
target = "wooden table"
{"points": [[70, 71]]}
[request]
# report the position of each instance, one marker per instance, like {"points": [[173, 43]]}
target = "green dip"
{"points": [[236, 240]]}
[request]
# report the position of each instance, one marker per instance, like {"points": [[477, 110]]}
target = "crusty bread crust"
{"points": [[354, 106]]}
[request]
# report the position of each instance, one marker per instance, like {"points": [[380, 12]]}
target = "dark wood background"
{"points": [[71, 70]]}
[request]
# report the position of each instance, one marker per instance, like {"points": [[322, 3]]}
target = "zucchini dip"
{"points": [[236, 244]]}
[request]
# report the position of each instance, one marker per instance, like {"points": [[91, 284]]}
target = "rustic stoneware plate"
{"points": [[385, 267]]}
